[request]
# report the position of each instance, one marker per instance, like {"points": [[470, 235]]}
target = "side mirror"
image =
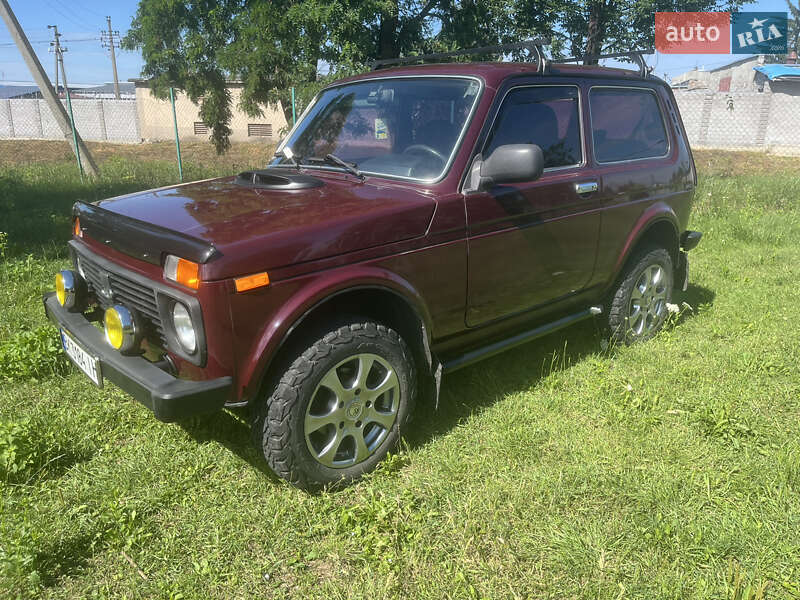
{"points": [[512, 163]]}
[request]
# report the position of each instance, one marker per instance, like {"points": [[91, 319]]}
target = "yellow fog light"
{"points": [[71, 291], [120, 327], [61, 291]]}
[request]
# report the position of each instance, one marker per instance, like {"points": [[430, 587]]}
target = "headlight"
{"points": [[120, 327], [184, 328], [71, 290]]}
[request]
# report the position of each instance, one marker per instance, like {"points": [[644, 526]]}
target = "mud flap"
{"points": [[682, 272]]}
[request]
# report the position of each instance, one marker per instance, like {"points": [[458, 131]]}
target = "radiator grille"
{"points": [[125, 291]]}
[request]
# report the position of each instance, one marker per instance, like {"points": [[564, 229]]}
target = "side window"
{"points": [[546, 116], [626, 124]]}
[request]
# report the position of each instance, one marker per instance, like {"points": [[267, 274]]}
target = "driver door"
{"points": [[534, 242]]}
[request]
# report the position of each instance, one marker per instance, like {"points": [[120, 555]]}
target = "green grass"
{"points": [[559, 470]]}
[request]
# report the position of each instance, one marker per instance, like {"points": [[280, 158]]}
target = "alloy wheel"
{"points": [[352, 411]]}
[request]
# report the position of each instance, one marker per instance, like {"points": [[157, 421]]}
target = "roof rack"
{"points": [[534, 45], [634, 55]]}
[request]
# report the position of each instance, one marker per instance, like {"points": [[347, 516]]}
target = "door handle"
{"points": [[586, 188]]}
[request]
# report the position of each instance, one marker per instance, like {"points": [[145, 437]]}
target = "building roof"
{"points": [[780, 72], [735, 63], [13, 91], [125, 87]]}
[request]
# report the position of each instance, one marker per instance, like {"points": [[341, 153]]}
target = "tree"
{"points": [[794, 27], [591, 27], [271, 46]]}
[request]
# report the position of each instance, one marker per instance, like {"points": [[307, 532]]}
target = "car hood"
{"points": [[255, 229]]}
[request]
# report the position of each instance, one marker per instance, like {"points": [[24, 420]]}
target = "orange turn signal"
{"points": [[251, 282], [182, 271], [77, 228]]}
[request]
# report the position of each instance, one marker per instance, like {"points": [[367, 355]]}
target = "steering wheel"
{"points": [[425, 148]]}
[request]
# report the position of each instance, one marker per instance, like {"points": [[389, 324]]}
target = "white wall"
{"points": [[741, 120], [96, 120]]}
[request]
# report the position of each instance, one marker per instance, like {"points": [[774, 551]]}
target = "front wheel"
{"points": [[340, 406], [638, 307]]}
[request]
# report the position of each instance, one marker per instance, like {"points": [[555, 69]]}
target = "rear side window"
{"points": [[543, 115], [626, 124]]}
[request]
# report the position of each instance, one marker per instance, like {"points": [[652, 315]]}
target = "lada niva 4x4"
{"points": [[415, 220]]}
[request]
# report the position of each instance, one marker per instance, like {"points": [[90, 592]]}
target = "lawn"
{"points": [[560, 469]]}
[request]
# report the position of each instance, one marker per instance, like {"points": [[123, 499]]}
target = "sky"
{"points": [[87, 62]]}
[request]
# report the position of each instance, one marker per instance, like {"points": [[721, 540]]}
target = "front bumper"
{"points": [[168, 397]]}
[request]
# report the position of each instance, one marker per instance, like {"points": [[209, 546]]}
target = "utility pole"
{"points": [[60, 55], [109, 40], [40, 77], [55, 46]]}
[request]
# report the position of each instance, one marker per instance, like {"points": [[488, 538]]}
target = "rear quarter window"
{"points": [[626, 124]]}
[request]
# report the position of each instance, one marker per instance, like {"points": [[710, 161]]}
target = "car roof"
{"points": [[493, 73]]}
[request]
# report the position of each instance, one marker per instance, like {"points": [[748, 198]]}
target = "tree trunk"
{"points": [[387, 42], [596, 31]]}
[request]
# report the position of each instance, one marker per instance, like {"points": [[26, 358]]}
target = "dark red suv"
{"points": [[415, 220]]}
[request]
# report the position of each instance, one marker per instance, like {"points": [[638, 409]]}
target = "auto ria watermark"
{"points": [[721, 32]]}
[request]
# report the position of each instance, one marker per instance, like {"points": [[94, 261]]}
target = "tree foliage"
{"points": [[794, 27], [273, 45]]}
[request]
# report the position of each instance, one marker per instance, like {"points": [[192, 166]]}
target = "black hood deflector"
{"points": [[141, 240], [278, 179]]}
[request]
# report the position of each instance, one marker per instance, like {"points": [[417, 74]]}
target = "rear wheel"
{"points": [[638, 308], [340, 406]]}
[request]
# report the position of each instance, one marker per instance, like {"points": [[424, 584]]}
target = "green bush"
{"points": [[31, 354]]}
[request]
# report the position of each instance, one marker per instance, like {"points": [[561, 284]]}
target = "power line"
{"points": [[65, 15], [85, 8], [40, 42]]}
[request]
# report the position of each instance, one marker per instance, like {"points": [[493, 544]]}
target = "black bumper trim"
{"points": [[690, 239], [168, 397]]}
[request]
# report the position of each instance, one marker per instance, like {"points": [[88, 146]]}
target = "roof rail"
{"points": [[534, 45], [634, 55]]}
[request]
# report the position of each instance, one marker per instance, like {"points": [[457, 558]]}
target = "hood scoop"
{"points": [[277, 179]]}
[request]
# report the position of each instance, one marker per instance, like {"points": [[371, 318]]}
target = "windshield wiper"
{"points": [[351, 168]]}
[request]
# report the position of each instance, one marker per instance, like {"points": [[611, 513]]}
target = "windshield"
{"points": [[394, 126]]}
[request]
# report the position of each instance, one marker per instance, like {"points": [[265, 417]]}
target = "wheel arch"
{"points": [[391, 301], [658, 225]]}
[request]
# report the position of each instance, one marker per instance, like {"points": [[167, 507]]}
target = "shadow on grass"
{"points": [[477, 387], [463, 393], [697, 296], [65, 558], [231, 430]]}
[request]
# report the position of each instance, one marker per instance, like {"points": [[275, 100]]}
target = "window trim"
{"points": [[660, 112], [581, 132], [456, 147]]}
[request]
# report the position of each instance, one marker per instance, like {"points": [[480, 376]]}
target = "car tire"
{"points": [[339, 407], [638, 308]]}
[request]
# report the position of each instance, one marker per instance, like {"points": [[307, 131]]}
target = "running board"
{"points": [[521, 338]]}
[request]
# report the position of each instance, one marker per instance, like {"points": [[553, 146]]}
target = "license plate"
{"points": [[87, 363]]}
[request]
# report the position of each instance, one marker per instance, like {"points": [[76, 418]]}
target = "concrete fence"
{"points": [[765, 121], [96, 120]]}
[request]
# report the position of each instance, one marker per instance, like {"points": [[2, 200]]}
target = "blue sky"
{"points": [[86, 61]]}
